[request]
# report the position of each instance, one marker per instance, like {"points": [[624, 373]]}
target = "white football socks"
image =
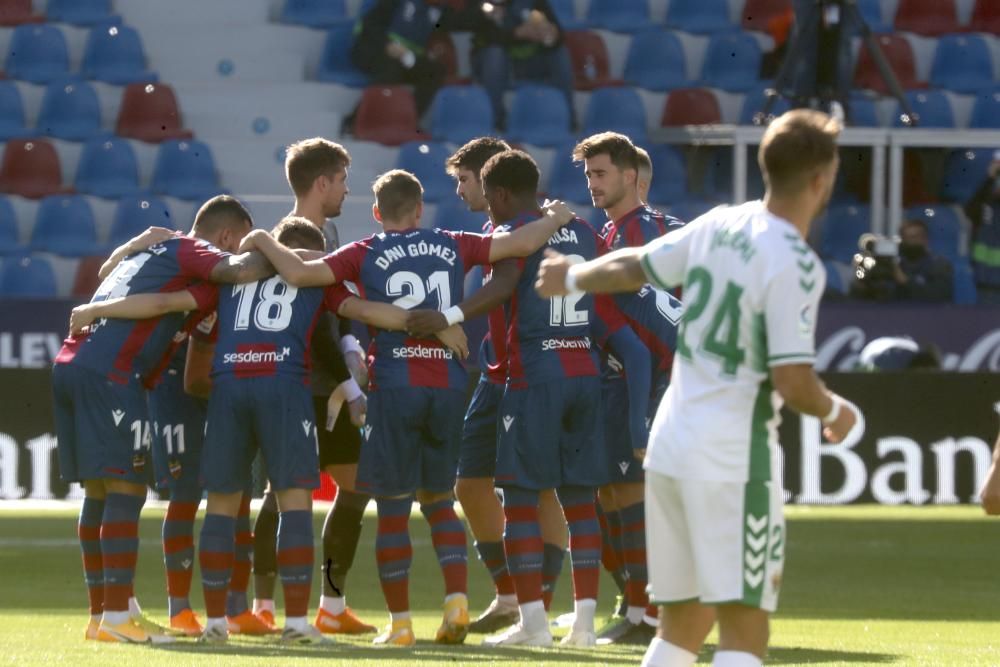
{"points": [[662, 653], [332, 605], [735, 659]]}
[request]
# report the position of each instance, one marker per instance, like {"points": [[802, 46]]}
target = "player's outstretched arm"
{"points": [[243, 268], [134, 307], [292, 268], [619, 271], [148, 238], [989, 495], [527, 239], [495, 293], [805, 393]]}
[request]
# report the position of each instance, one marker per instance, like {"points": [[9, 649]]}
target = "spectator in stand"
{"points": [[983, 211], [916, 275], [520, 39]]}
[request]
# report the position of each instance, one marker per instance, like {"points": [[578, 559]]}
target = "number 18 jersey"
{"points": [[752, 288]]}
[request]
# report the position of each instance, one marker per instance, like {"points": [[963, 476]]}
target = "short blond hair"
{"points": [[397, 194], [794, 147], [645, 169]]}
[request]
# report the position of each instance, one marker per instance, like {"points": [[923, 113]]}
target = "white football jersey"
{"points": [[752, 288]]}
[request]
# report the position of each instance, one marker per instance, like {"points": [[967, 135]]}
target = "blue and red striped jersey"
{"points": [[123, 348], [550, 339], [416, 268]]}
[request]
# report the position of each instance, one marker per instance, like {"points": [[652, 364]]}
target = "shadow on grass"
{"points": [[787, 655]]}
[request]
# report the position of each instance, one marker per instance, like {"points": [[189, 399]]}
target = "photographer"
{"points": [[983, 211], [908, 271]]}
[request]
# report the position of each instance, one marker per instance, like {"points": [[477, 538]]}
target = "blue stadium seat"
{"points": [[669, 174], [617, 110], [539, 115], [944, 228], [70, 110], [841, 228], [619, 15], [931, 107], [719, 174], [426, 161], [565, 12], [114, 54], [335, 63], [37, 53], [10, 236], [566, 180], [65, 225], [133, 215], [12, 124], [458, 218], [460, 113], [962, 63], [27, 277], [316, 13], [732, 62], [963, 283], [700, 16], [108, 168], [754, 101], [871, 12], [964, 172], [81, 12], [834, 278], [863, 112], [689, 209], [656, 61], [186, 170], [986, 110]]}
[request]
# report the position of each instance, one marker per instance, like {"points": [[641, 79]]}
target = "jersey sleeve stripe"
{"points": [[647, 268], [785, 359]]}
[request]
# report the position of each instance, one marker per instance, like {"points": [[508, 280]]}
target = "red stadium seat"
{"points": [[30, 168], [986, 17], [589, 56], [16, 12], [388, 115], [690, 106], [149, 112], [441, 48], [86, 281], [757, 14], [927, 17], [898, 52]]}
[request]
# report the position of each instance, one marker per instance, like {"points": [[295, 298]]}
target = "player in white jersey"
{"points": [[746, 344]]}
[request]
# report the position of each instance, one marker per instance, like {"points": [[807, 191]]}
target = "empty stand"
{"points": [[186, 170], [669, 182], [690, 106], [86, 281], [149, 112], [108, 168], [70, 110], [27, 278], [565, 11], [10, 235], [114, 54], [388, 115], [589, 56], [616, 110], [699, 16], [426, 161], [964, 171], [656, 61], [12, 123], [986, 17], [986, 110], [37, 53], [757, 14], [932, 107], [81, 12], [538, 115], [619, 15], [963, 283], [30, 168], [315, 13], [335, 63], [460, 113], [133, 215], [841, 228], [17, 12], [732, 62], [566, 180], [927, 17], [962, 63], [65, 226], [899, 54]]}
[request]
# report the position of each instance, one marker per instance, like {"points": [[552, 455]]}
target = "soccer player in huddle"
{"points": [[745, 344], [99, 384], [413, 428]]}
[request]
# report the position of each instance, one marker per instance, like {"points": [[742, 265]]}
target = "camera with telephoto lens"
{"points": [[875, 267]]}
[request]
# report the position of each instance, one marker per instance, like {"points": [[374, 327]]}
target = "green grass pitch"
{"points": [[862, 586]]}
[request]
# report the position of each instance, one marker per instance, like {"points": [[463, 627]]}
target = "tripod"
{"points": [[830, 92]]}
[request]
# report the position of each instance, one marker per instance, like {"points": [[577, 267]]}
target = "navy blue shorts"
{"points": [[622, 465], [178, 433], [552, 435], [102, 427], [273, 414], [478, 457], [412, 439]]}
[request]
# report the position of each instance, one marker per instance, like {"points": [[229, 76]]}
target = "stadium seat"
{"points": [[899, 54], [86, 281], [931, 107], [441, 47], [986, 110], [37, 53], [753, 104], [842, 226], [70, 110], [690, 106], [862, 111], [65, 226], [149, 113], [871, 12], [962, 63], [538, 115], [27, 277], [108, 168], [758, 13], [81, 12], [589, 55], [732, 62], [985, 17], [944, 228], [964, 171], [619, 15], [699, 16], [426, 161], [12, 124], [387, 115], [458, 218], [17, 12], [460, 113], [718, 183], [10, 241], [315, 13], [834, 277], [927, 17], [616, 110], [689, 209], [567, 181], [114, 54], [565, 11], [335, 63], [30, 168], [133, 215], [186, 170], [963, 283], [656, 61], [669, 183]]}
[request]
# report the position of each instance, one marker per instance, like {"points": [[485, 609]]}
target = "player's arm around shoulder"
{"points": [[290, 266], [133, 307], [528, 238], [148, 238]]}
